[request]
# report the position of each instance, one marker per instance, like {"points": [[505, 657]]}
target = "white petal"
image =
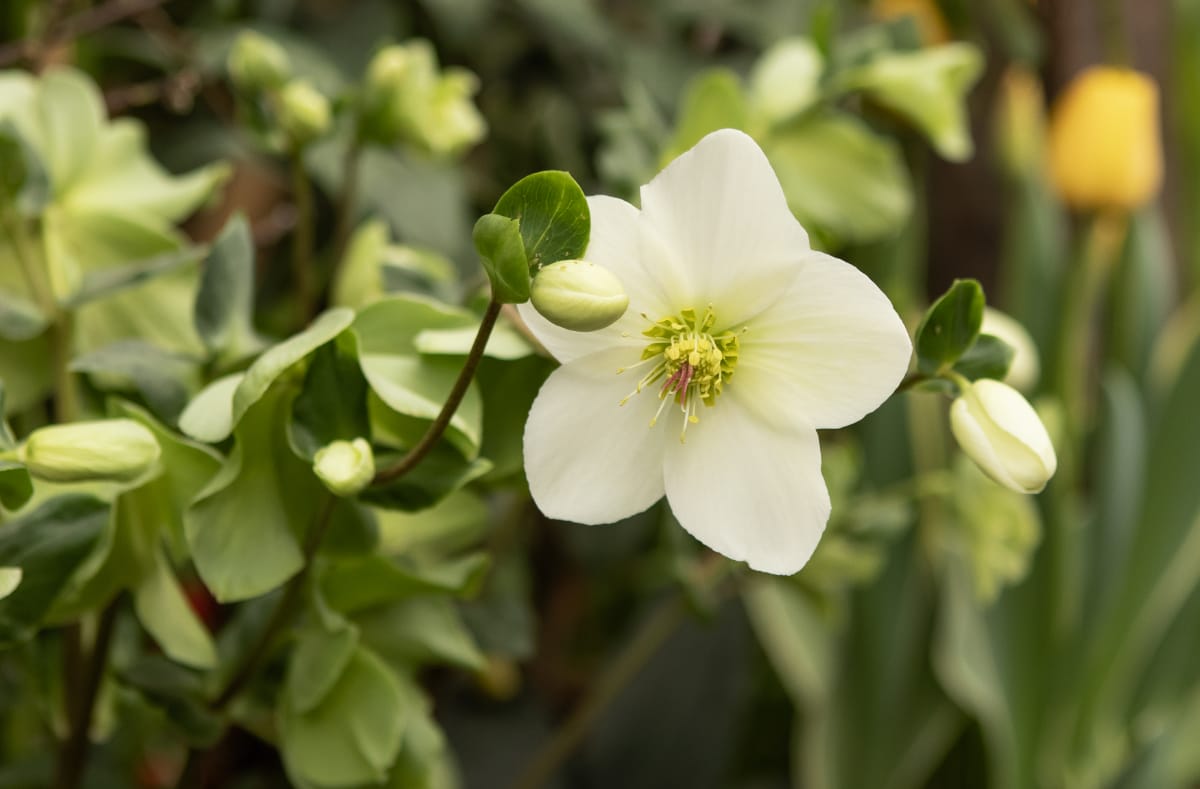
{"points": [[720, 210], [832, 348], [588, 458], [749, 490], [617, 240]]}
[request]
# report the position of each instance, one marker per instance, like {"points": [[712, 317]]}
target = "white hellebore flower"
{"points": [[1001, 432], [739, 338]]}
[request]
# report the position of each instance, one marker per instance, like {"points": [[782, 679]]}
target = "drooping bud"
{"points": [[257, 64], [346, 467], [304, 113], [999, 430], [117, 450], [578, 295], [1105, 150], [786, 80]]}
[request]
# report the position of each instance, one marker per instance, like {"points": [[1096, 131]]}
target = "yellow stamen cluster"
{"points": [[694, 362]]}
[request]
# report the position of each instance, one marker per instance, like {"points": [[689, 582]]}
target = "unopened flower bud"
{"points": [[578, 295], [10, 579], [303, 112], [998, 429], [117, 450], [256, 63], [1104, 140], [346, 467]]}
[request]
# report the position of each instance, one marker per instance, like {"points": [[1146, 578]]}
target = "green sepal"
{"points": [[950, 326], [988, 357], [553, 213], [502, 251]]}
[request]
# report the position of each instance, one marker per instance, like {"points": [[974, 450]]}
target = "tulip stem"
{"points": [[453, 400]]}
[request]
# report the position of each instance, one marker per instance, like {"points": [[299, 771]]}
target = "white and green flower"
{"points": [[740, 341]]}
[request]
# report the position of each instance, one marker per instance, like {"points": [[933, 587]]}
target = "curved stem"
{"points": [[435, 431]]}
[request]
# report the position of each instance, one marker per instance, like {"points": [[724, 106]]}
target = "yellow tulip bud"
{"points": [[998, 429], [1105, 151], [346, 467], [578, 295], [118, 450]]}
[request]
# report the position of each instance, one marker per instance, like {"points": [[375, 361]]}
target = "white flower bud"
{"points": [[346, 467], [1025, 369], [117, 450], [256, 63], [304, 113], [578, 295], [1001, 432]]}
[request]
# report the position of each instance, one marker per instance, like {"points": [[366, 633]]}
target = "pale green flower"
{"points": [[740, 341], [1001, 432], [928, 87], [304, 113]]}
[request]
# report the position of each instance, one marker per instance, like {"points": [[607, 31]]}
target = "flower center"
{"points": [[691, 360]]}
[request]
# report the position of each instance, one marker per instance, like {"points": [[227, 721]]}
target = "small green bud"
{"points": [[346, 467], [578, 295], [117, 450], [257, 64], [304, 113]]}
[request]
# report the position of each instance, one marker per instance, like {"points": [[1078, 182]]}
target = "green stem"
{"points": [[303, 274], [346, 201], [650, 637], [1112, 24], [60, 331], [72, 760], [435, 431], [281, 615]]}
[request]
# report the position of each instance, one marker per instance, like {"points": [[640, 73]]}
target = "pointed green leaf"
{"points": [[950, 326], [48, 544], [164, 611], [354, 735], [224, 312], [713, 100], [318, 660], [988, 357], [244, 528]]}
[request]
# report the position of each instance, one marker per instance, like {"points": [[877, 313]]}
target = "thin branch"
{"points": [[76, 26], [435, 431]]}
